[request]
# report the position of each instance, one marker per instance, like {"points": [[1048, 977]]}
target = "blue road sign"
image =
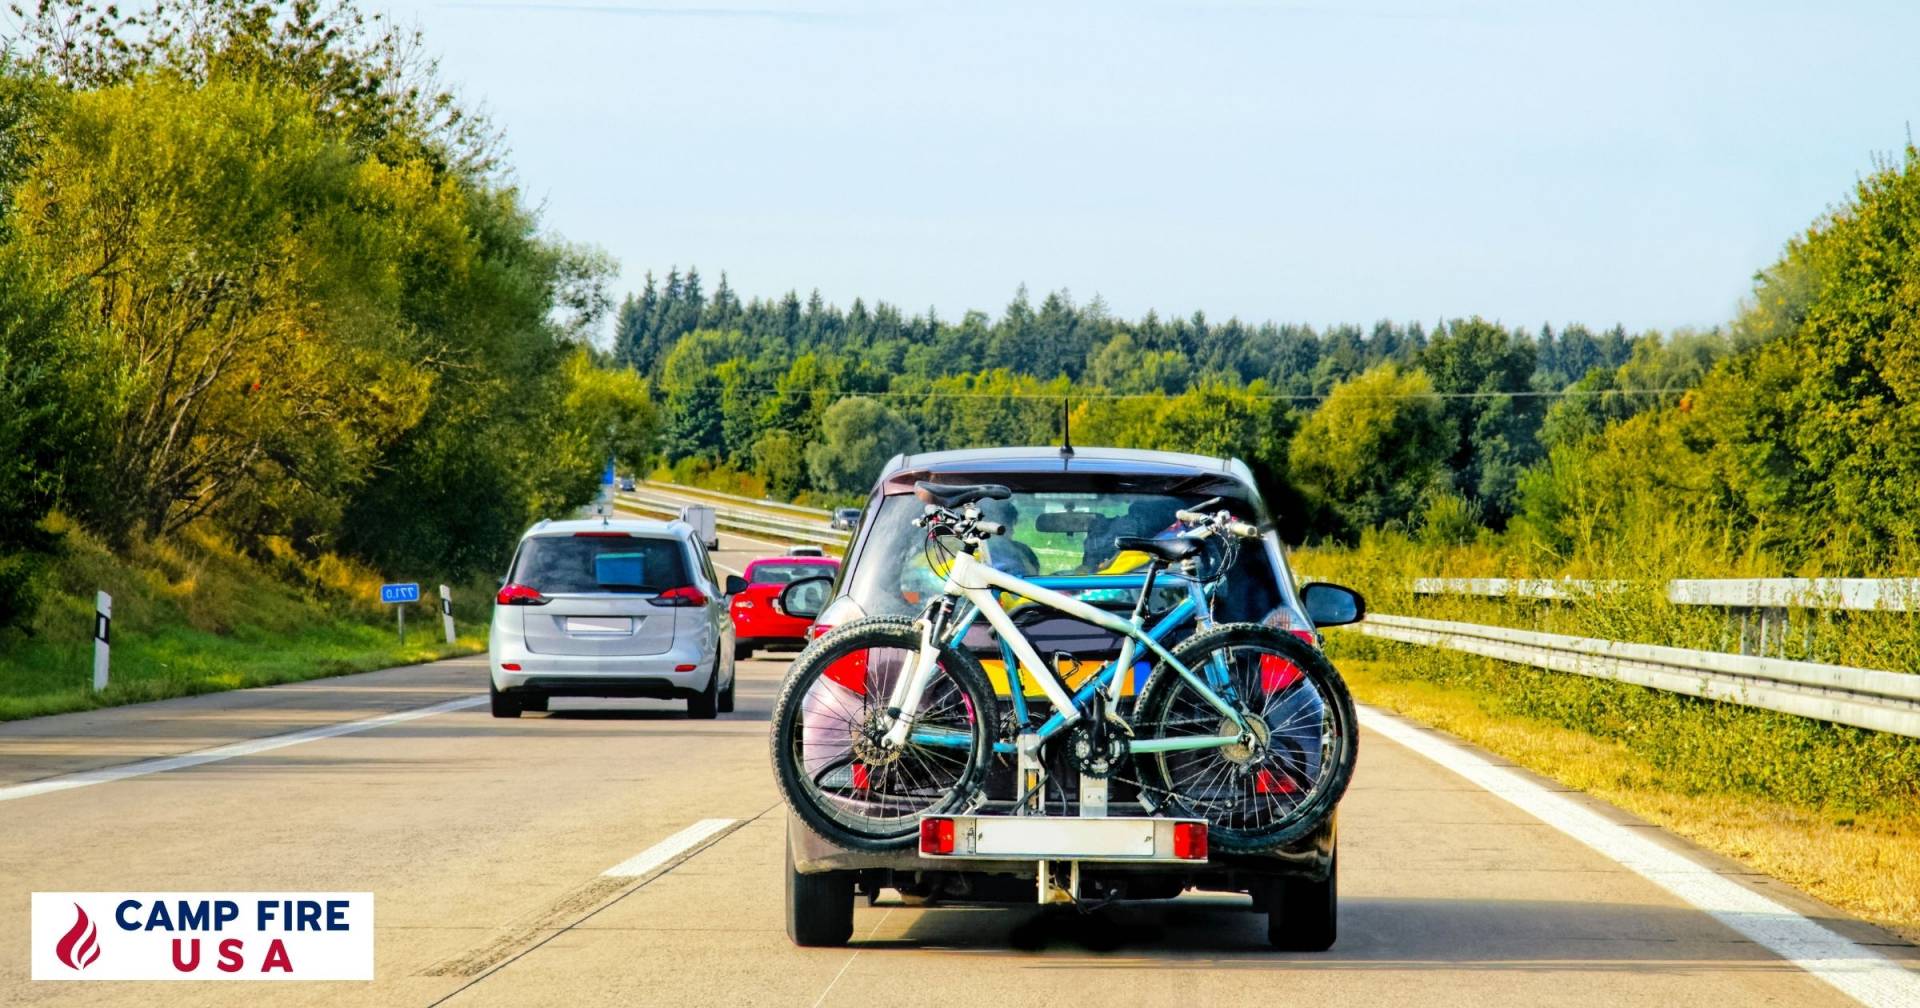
{"points": [[409, 592]]}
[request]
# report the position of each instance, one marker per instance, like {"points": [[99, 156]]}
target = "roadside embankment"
{"points": [[192, 614]]}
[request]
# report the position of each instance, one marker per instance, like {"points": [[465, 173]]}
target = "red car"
{"points": [[757, 619]]}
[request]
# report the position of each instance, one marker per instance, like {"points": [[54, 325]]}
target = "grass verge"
{"points": [[1864, 861], [194, 615]]}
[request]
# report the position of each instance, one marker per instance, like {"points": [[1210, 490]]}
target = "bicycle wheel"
{"points": [[1284, 785], [827, 725]]}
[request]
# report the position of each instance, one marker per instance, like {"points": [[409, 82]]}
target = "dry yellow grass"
{"points": [[1866, 864]]}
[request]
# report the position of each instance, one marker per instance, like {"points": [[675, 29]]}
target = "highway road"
{"points": [[616, 853]]}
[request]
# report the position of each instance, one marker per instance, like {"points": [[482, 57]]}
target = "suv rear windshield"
{"points": [[1053, 533], [587, 564], [779, 573]]}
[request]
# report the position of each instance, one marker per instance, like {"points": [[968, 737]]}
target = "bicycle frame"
{"points": [[1197, 604], [976, 582]]}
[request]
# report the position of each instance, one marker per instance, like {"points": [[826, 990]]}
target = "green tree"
{"points": [[781, 459], [858, 436], [1484, 374], [1817, 429], [1373, 450], [610, 413]]}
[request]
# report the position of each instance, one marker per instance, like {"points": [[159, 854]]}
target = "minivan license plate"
{"points": [[599, 624]]}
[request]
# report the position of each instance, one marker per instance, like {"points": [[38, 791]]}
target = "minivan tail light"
{"points": [[519, 594], [603, 535], [685, 595]]}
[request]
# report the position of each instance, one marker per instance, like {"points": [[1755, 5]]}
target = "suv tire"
{"points": [[503, 704], [1302, 915], [819, 907]]}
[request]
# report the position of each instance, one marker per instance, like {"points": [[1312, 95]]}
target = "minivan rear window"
{"points": [[579, 565]]}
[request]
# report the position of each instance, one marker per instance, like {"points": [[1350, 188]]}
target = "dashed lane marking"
{"points": [[684, 842]]}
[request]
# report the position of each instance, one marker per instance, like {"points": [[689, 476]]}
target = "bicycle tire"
{"points": [[1255, 789], [810, 717]]}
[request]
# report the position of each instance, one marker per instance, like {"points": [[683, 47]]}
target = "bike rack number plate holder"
{"points": [[1061, 838]]}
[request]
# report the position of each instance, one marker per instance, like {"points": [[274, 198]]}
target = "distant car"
{"points": [[626, 483], [805, 551], [844, 518], [758, 620], [613, 609]]}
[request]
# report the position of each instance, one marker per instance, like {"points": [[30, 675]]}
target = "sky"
{"points": [[1322, 162]]}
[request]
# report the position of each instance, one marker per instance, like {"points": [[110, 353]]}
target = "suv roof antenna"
{"points": [[1066, 427]]}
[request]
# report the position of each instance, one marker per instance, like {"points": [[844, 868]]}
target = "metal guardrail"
{"points": [[1865, 698], [694, 495], [1763, 604], [1858, 594], [729, 519]]}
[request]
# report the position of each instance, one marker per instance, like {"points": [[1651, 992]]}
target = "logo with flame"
{"points": [[80, 946]]}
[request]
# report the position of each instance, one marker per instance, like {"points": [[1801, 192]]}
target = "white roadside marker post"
{"points": [[102, 631], [446, 611]]}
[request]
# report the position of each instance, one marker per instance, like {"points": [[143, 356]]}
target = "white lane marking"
{"points": [[1860, 973], [107, 775], [670, 848]]}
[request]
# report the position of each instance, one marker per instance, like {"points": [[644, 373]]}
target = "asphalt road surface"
{"points": [[616, 853]]}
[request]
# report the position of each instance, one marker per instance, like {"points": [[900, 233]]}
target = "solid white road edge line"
{"points": [[670, 848], [106, 775], [1860, 973]]}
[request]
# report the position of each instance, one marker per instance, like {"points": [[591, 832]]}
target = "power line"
{"points": [[1055, 396]]}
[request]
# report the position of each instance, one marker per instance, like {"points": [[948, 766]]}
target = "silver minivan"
{"points": [[612, 608]]}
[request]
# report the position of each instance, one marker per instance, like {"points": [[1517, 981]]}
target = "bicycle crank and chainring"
{"points": [[1097, 760]]}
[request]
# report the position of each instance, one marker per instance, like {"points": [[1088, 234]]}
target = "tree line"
{"points": [[1347, 427], [258, 268]]}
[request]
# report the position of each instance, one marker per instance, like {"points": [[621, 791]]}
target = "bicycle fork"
{"points": [[909, 688]]}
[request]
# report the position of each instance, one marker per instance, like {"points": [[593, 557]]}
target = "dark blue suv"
{"points": [[1121, 492]]}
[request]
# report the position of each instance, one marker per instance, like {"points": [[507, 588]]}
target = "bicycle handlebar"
{"points": [[959, 524], [1219, 520]]}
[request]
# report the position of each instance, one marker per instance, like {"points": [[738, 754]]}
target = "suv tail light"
{"points": [[936, 836], [519, 594], [685, 595], [1189, 840]]}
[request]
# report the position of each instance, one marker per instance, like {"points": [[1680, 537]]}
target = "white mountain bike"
{"points": [[885, 720]]}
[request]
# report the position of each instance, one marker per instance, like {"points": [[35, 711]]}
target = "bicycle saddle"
{"points": [[955, 496], [1171, 550]]}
